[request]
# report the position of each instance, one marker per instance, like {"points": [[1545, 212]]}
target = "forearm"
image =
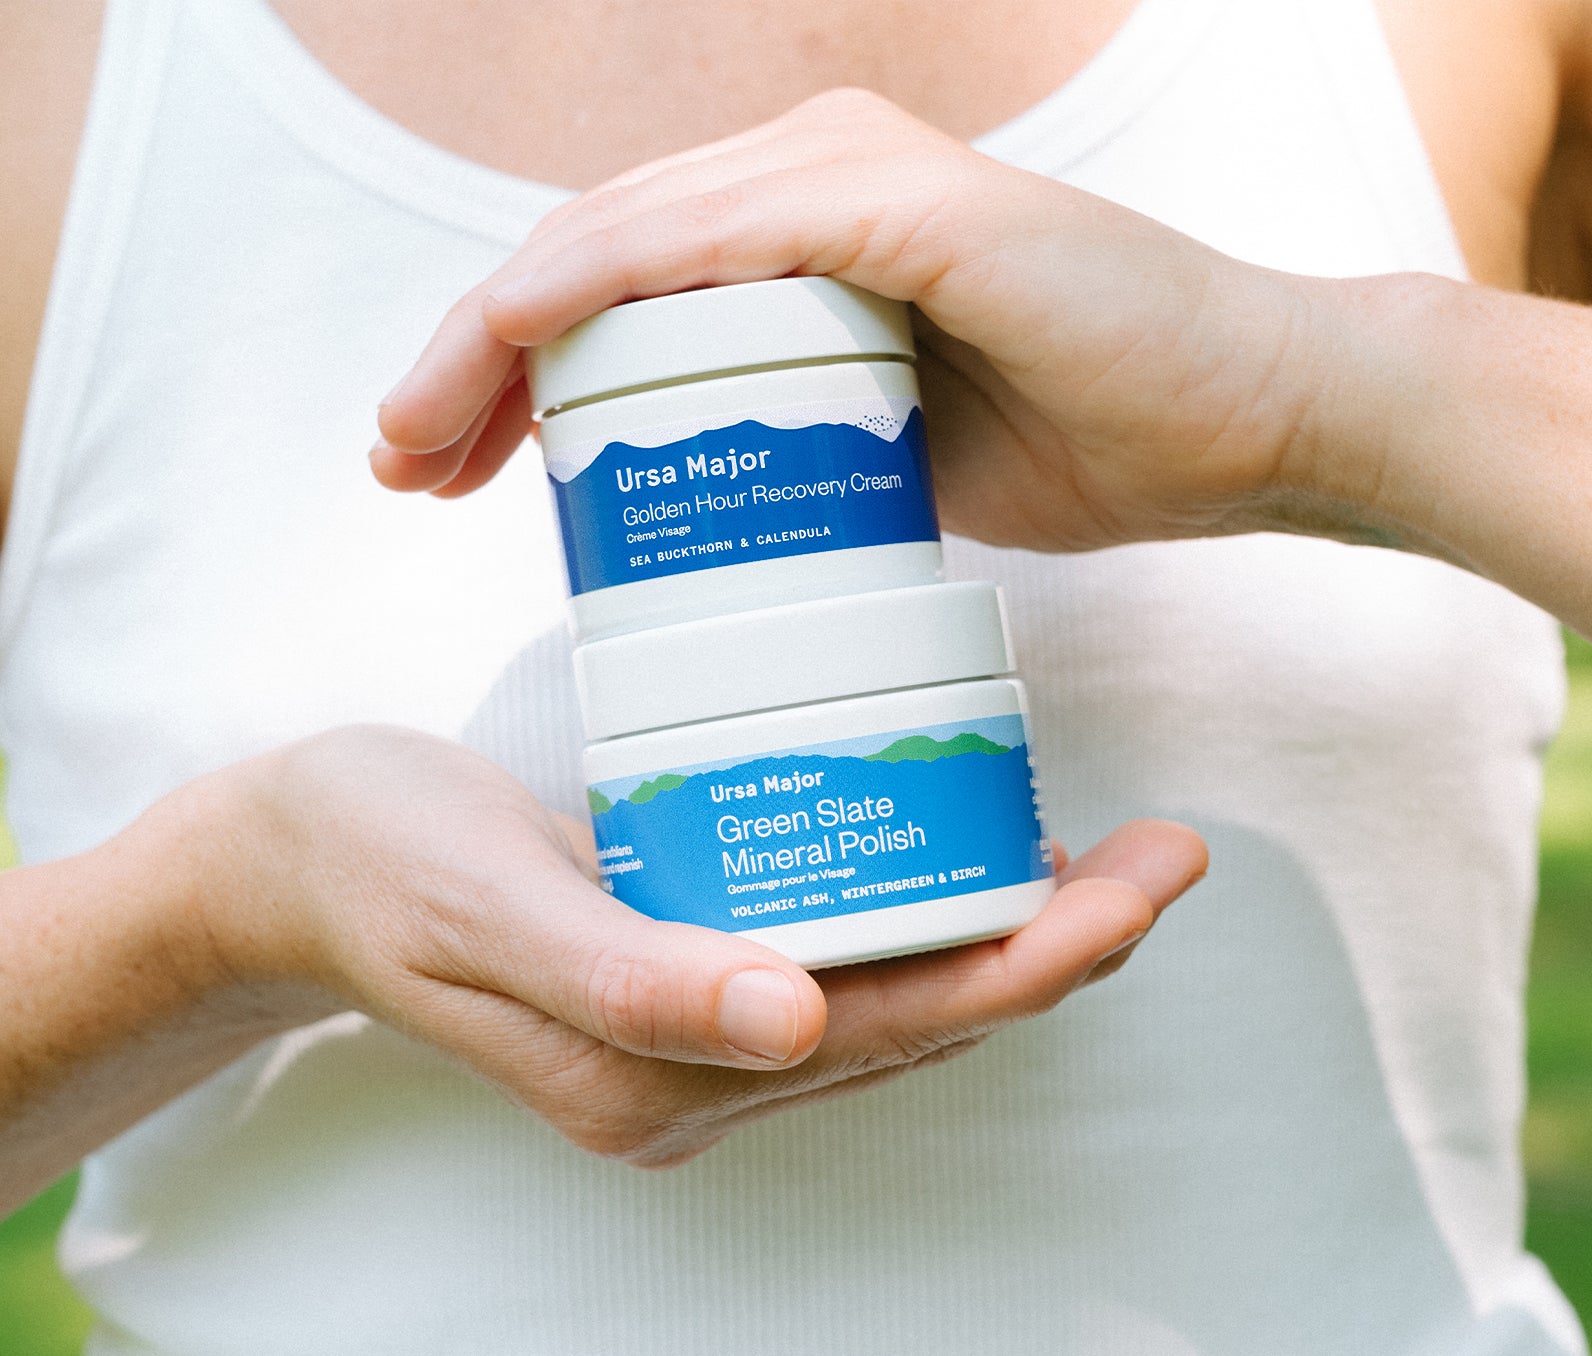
{"points": [[1454, 420], [112, 1000]]}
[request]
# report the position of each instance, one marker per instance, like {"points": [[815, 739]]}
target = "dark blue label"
{"points": [[830, 829], [747, 492]]}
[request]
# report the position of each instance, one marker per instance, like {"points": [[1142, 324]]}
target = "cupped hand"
{"points": [[420, 883], [1090, 377]]}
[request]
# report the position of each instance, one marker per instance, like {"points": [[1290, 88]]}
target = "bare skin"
{"points": [[185, 985]]}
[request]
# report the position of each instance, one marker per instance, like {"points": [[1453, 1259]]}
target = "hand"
{"points": [[420, 883], [1089, 376]]}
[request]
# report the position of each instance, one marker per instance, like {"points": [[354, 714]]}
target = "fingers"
{"points": [[686, 994], [472, 459], [484, 891], [636, 1000], [664, 227], [435, 404], [818, 132], [693, 995], [408, 472], [560, 945], [1106, 900], [613, 197], [845, 185], [888, 1018], [1059, 857], [1160, 856], [699, 996], [839, 139], [773, 223], [457, 377], [508, 425]]}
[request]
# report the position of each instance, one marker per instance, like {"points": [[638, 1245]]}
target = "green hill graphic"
{"points": [[923, 749], [656, 787], [599, 803]]}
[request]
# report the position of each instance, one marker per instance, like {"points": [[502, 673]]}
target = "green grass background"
{"points": [[40, 1316], [1558, 1135]]}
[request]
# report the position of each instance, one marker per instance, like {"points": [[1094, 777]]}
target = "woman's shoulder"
{"points": [[48, 68], [1488, 81]]}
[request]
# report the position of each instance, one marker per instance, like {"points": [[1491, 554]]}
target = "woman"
{"points": [[1288, 1126]]}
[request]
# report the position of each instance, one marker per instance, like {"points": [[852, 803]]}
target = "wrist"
{"points": [[212, 891], [115, 996], [1366, 379]]}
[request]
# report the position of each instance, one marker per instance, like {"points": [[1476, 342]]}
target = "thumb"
{"points": [[665, 990]]}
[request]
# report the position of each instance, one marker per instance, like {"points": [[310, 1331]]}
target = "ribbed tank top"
{"points": [[1289, 1126]]}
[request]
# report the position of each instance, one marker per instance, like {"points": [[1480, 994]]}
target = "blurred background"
{"points": [[39, 1315], [1558, 1134]]}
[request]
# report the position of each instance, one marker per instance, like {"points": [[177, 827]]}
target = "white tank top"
{"points": [[1289, 1126]]}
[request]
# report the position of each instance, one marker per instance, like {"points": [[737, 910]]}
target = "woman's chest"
{"points": [[567, 93], [570, 93]]}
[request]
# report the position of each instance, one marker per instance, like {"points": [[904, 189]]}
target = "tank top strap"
{"points": [[130, 72], [1189, 50], [1157, 41], [1350, 42], [287, 82]]}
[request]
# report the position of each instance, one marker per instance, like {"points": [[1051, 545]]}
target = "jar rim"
{"points": [[792, 655], [712, 332]]}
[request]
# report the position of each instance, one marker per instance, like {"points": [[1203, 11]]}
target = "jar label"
{"points": [[796, 480], [837, 828]]}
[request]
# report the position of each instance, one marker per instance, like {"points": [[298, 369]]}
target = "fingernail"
{"points": [[513, 291], [393, 394], [411, 455], [1122, 946], [758, 1013]]}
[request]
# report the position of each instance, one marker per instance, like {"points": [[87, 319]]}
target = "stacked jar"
{"points": [[796, 730]]}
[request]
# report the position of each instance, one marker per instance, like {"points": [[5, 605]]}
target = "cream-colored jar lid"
{"points": [[716, 331], [791, 656]]}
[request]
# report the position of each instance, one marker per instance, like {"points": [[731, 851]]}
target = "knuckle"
{"points": [[625, 998], [1135, 911], [901, 1048], [911, 246], [608, 1103], [1044, 998], [635, 1138], [619, 1140], [908, 1047], [713, 206], [848, 101], [950, 1051], [674, 1157], [604, 204], [466, 311]]}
